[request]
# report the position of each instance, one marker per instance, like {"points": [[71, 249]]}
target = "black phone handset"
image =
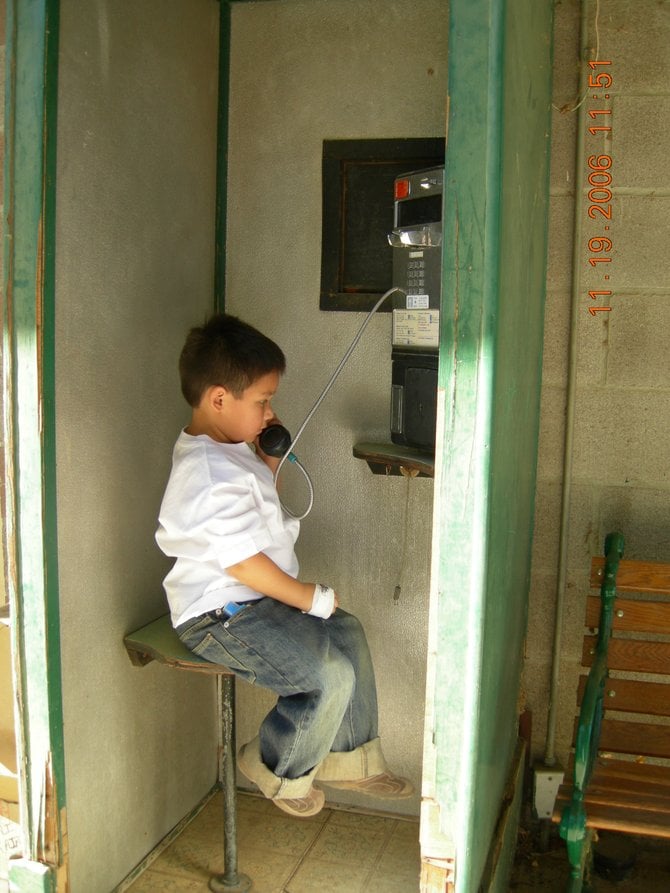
{"points": [[275, 441]]}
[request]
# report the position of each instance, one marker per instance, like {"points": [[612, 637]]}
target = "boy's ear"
{"points": [[217, 397]]}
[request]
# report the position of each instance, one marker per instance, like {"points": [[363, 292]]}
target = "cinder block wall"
{"points": [[622, 411]]}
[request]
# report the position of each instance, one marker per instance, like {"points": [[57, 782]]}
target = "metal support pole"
{"points": [[568, 451], [230, 881]]}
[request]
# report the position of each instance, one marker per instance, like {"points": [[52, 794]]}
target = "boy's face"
{"points": [[241, 419]]}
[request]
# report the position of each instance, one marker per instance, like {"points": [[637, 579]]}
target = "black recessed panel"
{"points": [[358, 175]]}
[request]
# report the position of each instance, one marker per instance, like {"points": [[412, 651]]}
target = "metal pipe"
{"points": [[231, 881], [550, 746], [220, 225]]}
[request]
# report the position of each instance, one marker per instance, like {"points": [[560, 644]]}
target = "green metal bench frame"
{"points": [[158, 641], [618, 789], [573, 827]]}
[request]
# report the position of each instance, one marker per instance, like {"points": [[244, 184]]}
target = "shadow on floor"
{"points": [[547, 872]]}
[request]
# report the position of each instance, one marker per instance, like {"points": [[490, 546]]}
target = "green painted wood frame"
{"points": [[30, 547], [494, 269]]}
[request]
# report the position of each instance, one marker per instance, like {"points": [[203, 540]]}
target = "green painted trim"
{"points": [[220, 232], [31, 877], [494, 276], [29, 415], [470, 266], [49, 398]]}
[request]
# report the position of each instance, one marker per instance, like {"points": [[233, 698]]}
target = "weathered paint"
{"points": [[495, 225], [28, 356], [27, 876]]}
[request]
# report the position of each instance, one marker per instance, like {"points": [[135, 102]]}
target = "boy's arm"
{"points": [[261, 574]]}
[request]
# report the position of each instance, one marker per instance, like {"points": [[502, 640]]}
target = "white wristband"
{"points": [[323, 601]]}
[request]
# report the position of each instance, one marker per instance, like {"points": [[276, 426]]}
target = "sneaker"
{"points": [[302, 807], [384, 786], [249, 763]]}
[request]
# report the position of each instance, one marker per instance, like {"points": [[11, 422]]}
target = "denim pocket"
{"points": [[211, 649]]}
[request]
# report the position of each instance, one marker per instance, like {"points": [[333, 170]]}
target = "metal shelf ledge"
{"points": [[392, 459]]}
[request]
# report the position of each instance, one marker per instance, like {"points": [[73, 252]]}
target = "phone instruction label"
{"points": [[416, 328]]}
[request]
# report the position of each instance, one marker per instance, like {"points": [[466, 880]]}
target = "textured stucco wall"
{"points": [[304, 71], [134, 268]]}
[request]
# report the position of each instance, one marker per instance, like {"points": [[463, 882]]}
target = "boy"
{"points": [[234, 593]]}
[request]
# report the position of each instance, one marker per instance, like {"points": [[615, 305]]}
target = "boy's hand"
{"points": [[271, 461], [324, 601]]}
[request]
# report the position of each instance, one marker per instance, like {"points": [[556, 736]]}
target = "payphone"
{"points": [[416, 240]]}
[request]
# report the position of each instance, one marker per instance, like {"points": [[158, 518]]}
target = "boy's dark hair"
{"points": [[227, 352]]}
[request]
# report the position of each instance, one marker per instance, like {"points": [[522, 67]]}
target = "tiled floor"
{"points": [[333, 852]]}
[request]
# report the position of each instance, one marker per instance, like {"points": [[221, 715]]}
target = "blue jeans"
{"points": [[320, 669]]}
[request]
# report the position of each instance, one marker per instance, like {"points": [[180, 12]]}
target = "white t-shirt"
{"points": [[220, 507]]}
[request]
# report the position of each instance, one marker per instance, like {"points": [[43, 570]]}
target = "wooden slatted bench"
{"points": [[158, 641], [612, 786]]}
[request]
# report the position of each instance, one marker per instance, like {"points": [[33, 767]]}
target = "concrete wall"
{"points": [[304, 71], [620, 475], [134, 269]]}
